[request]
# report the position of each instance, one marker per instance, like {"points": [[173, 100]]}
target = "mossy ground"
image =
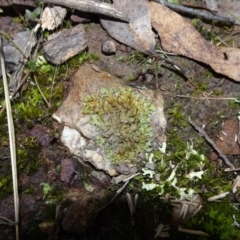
{"points": [[30, 108], [122, 118]]}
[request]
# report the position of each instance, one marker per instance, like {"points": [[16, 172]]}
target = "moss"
{"points": [[80, 59], [217, 219], [234, 105], [28, 155], [137, 56], [183, 170], [31, 106], [176, 115], [123, 118], [28, 161], [201, 87], [218, 92], [5, 184]]}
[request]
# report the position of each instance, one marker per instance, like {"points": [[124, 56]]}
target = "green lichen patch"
{"points": [[122, 117]]}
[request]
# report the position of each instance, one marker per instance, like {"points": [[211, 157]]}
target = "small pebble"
{"points": [[150, 165], [109, 47], [67, 170]]}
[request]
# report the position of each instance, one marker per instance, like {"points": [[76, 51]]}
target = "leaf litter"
{"points": [[138, 32], [183, 39]]}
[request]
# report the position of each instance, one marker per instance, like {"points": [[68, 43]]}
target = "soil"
{"points": [[200, 96]]}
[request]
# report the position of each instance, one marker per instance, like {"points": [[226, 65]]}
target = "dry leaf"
{"points": [[212, 5], [180, 37], [230, 8], [52, 17], [138, 32]]}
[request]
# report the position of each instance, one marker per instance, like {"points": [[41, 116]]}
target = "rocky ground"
{"points": [[60, 197]]}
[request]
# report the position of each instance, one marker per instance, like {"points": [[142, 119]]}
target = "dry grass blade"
{"points": [[11, 142]]}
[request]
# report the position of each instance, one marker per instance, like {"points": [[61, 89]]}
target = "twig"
{"points": [[6, 221], [39, 89], [118, 191], [57, 223], [217, 197], [198, 13], [231, 170], [207, 138], [193, 232], [238, 136], [90, 6], [14, 93], [115, 196], [169, 61], [11, 142], [206, 98], [17, 75]]}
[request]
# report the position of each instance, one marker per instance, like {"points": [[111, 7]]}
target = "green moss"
{"points": [[79, 59], [176, 115], [137, 56], [51, 194], [221, 220], [218, 92], [28, 161], [217, 219], [28, 155], [201, 87], [28, 108], [131, 77], [234, 105], [183, 171], [5, 184], [31, 106], [123, 118]]}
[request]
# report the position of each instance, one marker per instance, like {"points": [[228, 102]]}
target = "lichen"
{"points": [[122, 118], [182, 171]]}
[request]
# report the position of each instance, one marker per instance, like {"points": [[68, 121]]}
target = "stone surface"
{"points": [[109, 47], [65, 45], [11, 54], [78, 134], [67, 170]]}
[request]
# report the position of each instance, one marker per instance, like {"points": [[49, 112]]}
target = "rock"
{"points": [[150, 165], [123, 168], [80, 135], [66, 45], [101, 176], [109, 47], [11, 54], [67, 170], [73, 139], [41, 134]]}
